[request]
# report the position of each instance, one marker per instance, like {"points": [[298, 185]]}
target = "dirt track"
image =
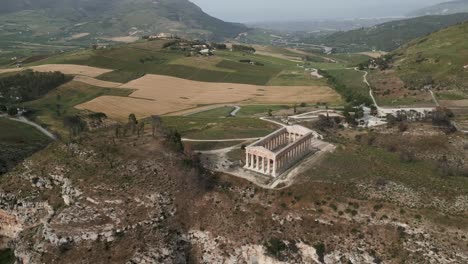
{"points": [[157, 94]]}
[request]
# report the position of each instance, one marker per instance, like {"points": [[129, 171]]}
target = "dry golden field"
{"points": [[158, 95], [64, 68]]}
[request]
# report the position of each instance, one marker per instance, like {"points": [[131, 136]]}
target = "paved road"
{"points": [[235, 111], [24, 120]]}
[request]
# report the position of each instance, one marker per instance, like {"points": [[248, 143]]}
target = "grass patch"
{"points": [[252, 110], [7, 256], [215, 113], [17, 142], [69, 95], [219, 128], [350, 84], [450, 96], [201, 146], [120, 76], [13, 132], [296, 78], [358, 162]]}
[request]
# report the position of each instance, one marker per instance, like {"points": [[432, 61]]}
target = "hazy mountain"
{"points": [[319, 25], [452, 7], [388, 36], [114, 17]]}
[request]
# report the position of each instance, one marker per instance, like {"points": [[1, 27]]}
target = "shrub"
{"points": [[320, 248], [275, 247], [12, 111]]}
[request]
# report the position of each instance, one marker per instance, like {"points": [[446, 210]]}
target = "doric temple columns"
{"points": [[277, 152]]}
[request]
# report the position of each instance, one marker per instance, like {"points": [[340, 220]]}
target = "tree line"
{"points": [[29, 85]]}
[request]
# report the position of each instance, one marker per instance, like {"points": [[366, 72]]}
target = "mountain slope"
{"points": [[390, 35], [113, 18], [438, 59], [451, 7]]}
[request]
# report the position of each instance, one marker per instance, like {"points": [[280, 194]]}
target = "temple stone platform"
{"points": [[279, 151]]}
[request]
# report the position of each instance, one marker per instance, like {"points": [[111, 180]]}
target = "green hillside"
{"points": [[446, 8], [438, 59], [388, 36], [115, 18], [30, 28]]}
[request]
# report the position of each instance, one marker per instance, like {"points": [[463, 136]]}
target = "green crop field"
{"points": [[134, 60]]}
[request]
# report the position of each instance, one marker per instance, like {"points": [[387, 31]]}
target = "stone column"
{"points": [[274, 168], [268, 167]]}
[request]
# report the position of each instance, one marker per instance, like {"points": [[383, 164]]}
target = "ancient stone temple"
{"points": [[279, 151]]}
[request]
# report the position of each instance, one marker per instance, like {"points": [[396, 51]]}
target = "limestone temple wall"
{"points": [[279, 151]]}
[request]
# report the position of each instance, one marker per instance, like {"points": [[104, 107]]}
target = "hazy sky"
{"points": [[280, 10]]}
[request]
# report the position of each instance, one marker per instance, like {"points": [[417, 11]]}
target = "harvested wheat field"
{"points": [[64, 68], [158, 95]]}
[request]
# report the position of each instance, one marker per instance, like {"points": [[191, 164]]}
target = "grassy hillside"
{"points": [[390, 35], [450, 7], [438, 59]]}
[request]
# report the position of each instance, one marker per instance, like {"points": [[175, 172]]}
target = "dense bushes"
{"points": [[29, 85], [350, 95], [243, 48]]}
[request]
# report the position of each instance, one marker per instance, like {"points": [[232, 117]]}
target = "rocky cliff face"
{"points": [[136, 201]]}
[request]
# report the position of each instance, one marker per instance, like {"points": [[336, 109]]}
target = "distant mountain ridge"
{"points": [[120, 17], [388, 36], [451, 7]]}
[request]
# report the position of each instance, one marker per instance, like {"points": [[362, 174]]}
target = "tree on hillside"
{"points": [[3, 108], [30, 85], [75, 125], [140, 128], [441, 116], [243, 48], [174, 138], [12, 111], [132, 123], [155, 124]]}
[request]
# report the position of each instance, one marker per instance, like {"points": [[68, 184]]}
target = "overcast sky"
{"points": [[280, 10]]}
